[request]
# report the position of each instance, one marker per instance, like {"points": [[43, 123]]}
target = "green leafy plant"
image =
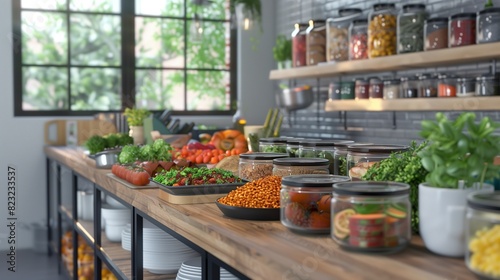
{"points": [[135, 117], [282, 50], [460, 152], [254, 7]]}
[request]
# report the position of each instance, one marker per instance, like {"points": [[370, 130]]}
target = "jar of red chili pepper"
{"points": [[361, 89], [462, 30], [299, 45], [447, 86], [358, 35]]}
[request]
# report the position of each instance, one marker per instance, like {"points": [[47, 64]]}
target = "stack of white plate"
{"points": [[191, 270], [115, 220], [126, 238]]}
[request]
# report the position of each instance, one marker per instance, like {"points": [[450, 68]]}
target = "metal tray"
{"points": [[199, 189], [243, 213]]}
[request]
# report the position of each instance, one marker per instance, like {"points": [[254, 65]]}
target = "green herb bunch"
{"points": [[135, 117], [97, 143], [158, 151], [190, 175], [405, 167], [460, 151], [282, 50]]}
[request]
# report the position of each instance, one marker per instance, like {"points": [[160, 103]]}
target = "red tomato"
{"points": [[324, 203], [304, 198], [139, 178]]}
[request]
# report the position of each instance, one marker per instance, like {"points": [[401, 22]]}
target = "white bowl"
{"points": [[113, 202], [109, 213], [114, 233]]}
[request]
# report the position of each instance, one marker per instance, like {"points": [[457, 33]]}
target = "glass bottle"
{"points": [[411, 22], [299, 45], [316, 42], [382, 29]]}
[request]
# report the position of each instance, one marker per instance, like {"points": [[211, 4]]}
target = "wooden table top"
{"points": [[266, 249]]}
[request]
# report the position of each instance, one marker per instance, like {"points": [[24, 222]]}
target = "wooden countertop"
{"points": [[267, 250]]}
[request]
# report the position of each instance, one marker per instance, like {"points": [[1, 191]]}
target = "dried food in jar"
{"points": [[409, 87], [299, 45], [358, 39], [427, 86], [347, 90], [362, 88], [411, 28], [338, 34], [297, 166], [391, 89], [447, 86], [462, 30], [436, 33], [316, 42], [376, 88], [466, 87], [260, 193], [488, 26], [382, 31], [253, 166]]}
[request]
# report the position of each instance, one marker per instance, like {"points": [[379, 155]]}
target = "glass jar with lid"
{"points": [[358, 39], [488, 26], [411, 22], [334, 90], [487, 85], [462, 30], [409, 87], [482, 228], [316, 42], [427, 86], [382, 29], [436, 33], [298, 193], [371, 216], [376, 88], [361, 89], [296, 166], [392, 88], [253, 166], [293, 145], [299, 45], [272, 145], [321, 149], [447, 86], [361, 157], [466, 87], [337, 34], [347, 90]]}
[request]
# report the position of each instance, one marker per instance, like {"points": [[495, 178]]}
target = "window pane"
{"points": [[95, 40], [212, 9], [160, 89], [174, 8], [210, 50], [103, 6], [95, 89], [208, 90], [44, 38], [159, 42], [44, 5], [45, 88]]}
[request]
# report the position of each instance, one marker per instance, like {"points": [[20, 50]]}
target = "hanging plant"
{"points": [[252, 7]]}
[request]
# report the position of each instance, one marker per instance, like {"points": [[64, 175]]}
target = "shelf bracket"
{"points": [[394, 126]]}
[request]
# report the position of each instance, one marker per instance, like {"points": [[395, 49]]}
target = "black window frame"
{"points": [[128, 67]]}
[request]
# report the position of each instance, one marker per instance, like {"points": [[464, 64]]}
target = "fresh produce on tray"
{"points": [[204, 153], [139, 173], [229, 139], [158, 151], [97, 143], [193, 176]]}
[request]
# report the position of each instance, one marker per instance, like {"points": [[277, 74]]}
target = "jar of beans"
{"points": [[488, 26], [299, 45], [392, 89], [411, 28], [409, 87], [436, 33], [361, 90], [462, 30], [447, 86], [337, 33], [427, 86], [376, 88], [358, 39], [382, 30], [253, 166], [316, 42]]}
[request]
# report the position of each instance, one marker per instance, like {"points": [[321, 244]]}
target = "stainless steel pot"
{"points": [[297, 98], [105, 159]]}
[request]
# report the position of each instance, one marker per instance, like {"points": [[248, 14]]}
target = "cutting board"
{"points": [[188, 199], [75, 132]]}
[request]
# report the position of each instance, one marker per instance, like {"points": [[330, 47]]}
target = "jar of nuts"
{"points": [[297, 166], [253, 166], [337, 34], [382, 29], [316, 42]]}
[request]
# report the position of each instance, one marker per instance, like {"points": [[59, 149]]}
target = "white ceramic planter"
{"points": [[442, 218], [137, 132]]}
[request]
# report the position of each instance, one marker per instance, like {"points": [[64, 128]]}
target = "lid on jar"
{"points": [[371, 188], [346, 14], [409, 78], [325, 143], [486, 77], [378, 149], [465, 79], [263, 156], [301, 161], [316, 22], [361, 81], [489, 11], [313, 180], [375, 80], [463, 16], [272, 140], [437, 20], [392, 82], [484, 201], [410, 7], [360, 22], [383, 6]]}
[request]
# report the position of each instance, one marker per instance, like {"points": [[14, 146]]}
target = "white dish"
{"points": [[114, 233]]}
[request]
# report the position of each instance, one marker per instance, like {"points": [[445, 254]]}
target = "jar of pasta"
{"points": [[411, 28], [462, 30], [382, 29], [299, 45], [337, 33], [358, 39], [316, 42]]}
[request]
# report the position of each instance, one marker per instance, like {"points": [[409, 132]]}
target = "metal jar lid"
{"points": [[484, 201], [463, 16], [275, 140], [263, 156], [325, 143], [301, 162], [371, 188], [313, 180], [378, 149], [437, 20]]}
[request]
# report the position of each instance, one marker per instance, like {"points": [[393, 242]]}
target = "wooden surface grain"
{"points": [[266, 249]]}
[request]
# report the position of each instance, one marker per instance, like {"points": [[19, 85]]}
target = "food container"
{"points": [[334, 90], [253, 166], [362, 89], [466, 87], [361, 157], [272, 145], [462, 30], [321, 149], [337, 34], [409, 87], [305, 202], [292, 146], [428, 86], [382, 29], [436, 33], [297, 166], [372, 217], [85, 205], [299, 45], [316, 42], [411, 22], [447, 86], [487, 85], [347, 90], [106, 159], [392, 89], [376, 88], [358, 39], [488, 26], [483, 234]]}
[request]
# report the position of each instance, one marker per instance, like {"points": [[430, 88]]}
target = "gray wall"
{"points": [[376, 127]]}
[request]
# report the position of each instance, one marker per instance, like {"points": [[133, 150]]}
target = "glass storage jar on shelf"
{"points": [[361, 157], [411, 22], [371, 216], [427, 86], [253, 166], [361, 89], [347, 90], [409, 87], [392, 89], [340, 158], [466, 87], [293, 145], [321, 149], [376, 88], [298, 193], [299, 45], [272, 145], [382, 29], [487, 85], [298, 166], [436, 33], [358, 39], [316, 42], [337, 34], [334, 90], [447, 86], [488, 26], [462, 30], [482, 228]]}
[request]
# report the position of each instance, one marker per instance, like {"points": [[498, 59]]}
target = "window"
{"points": [[82, 57]]}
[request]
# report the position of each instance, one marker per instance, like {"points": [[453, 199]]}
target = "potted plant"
{"points": [[135, 119], [282, 52], [459, 158]]}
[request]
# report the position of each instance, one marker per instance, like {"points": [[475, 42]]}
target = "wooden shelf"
{"points": [[437, 58], [416, 104]]}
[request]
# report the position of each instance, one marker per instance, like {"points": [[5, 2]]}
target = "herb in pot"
{"points": [[135, 117], [95, 144]]}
